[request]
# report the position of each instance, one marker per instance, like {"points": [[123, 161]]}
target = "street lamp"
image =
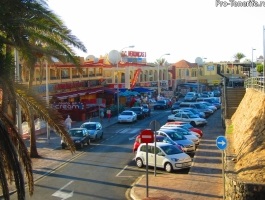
{"points": [[252, 70], [158, 80], [199, 62]]}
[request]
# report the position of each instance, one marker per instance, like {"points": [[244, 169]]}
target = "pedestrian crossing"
{"points": [[130, 131]]}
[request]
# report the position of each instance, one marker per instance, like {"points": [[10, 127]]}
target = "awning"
{"points": [[142, 90], [73, 94]]}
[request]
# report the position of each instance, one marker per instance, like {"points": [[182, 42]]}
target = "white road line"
{"points": [[118, 175]]}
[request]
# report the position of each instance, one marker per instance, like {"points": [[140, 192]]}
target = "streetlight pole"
{"points": [[117, 66], [199, 63], [158, 79], [252, 69]]}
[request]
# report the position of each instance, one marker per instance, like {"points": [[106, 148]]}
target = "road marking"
{"points": [[130, 130], [118, 175], [63, 195]]}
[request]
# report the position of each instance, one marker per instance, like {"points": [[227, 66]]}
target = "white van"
{"points": [[168, 156]]}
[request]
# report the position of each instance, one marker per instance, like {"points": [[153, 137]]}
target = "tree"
{"points": [[239, 56], [259, 67], [21, 23]]}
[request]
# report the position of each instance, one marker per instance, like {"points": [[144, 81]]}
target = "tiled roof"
{"points": [[184, 64]]}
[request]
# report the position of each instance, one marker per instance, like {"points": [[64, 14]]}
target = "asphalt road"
{"points": [[103, 170]]}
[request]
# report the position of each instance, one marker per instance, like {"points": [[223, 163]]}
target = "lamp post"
{"points": [[199, 62], [158, 79], [252, 69]]}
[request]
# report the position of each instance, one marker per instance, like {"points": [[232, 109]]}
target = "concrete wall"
{"points": [[245, 155]]}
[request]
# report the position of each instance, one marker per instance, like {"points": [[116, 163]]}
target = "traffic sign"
{"points": [[221, 142], [147, 136], [154, 125]]}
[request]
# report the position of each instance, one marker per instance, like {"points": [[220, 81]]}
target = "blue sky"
{"points": [[185, 29]]}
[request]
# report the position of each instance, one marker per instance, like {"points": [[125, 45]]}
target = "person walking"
{"points": [[68, 122], [109, 114]]}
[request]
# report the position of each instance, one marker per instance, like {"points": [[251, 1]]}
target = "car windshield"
{"points": [[187, 125], [175, 136], [76, 133], [171, 150], [126, 113], [89, 126], [145, 106]]}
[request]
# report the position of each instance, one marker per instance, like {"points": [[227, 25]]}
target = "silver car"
{"points": [[94, 128], [187, 145]]}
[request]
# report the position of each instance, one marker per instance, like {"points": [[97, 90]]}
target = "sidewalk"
{"points": [[52, 155], [203, 182]]}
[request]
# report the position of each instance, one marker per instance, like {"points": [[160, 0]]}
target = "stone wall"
{"points": [[244, 157]]}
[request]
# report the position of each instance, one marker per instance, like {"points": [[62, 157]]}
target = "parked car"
{"points": [[160, 105], [198, 106], [190, 96], [209, 105], [195, 111], [168, 156], [187, 117], [94, 128], [159, 138], [212, 100], [139, 111], [187, 126], [127, 116], [187, 145], [184, 110], [146, 110], [188, 134], [80, 137]]}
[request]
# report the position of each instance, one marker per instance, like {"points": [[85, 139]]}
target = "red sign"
{"points": [[147, 136]]}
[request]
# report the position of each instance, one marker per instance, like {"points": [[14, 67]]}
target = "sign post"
{"points": [[155, 126], [221, 143], [147, 136]]}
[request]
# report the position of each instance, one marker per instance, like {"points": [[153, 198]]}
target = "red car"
{"points": [[187, 126], [159, 138]]}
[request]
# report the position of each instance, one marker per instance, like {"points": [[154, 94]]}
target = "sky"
{"points": [[185, 29]]}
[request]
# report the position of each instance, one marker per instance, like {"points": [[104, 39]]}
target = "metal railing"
{"points": [[256, 83]]}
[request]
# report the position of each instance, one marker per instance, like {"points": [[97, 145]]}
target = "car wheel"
{"points": [[96, 137], [63, 146], [88, 142], [193, 124], [168, 167], [81, 145], [101, 137], [139, 162]]}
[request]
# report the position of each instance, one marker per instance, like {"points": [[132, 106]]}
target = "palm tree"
{"points": [[21, 22], [239, 56]]}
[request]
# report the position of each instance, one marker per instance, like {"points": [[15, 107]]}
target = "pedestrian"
{"points": [[68, 122], [109, 114]]}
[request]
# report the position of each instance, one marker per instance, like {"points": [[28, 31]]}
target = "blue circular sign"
{"points": [[221, 142]]}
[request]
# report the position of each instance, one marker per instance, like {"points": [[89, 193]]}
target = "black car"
{"points": [[146, 110], [139, 111], [160, 105], [80, 137]]}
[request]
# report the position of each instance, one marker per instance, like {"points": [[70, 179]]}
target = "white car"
{"points": [[95, 130], [127, 116], [187, 117], [168, 156], [188, 134]]}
